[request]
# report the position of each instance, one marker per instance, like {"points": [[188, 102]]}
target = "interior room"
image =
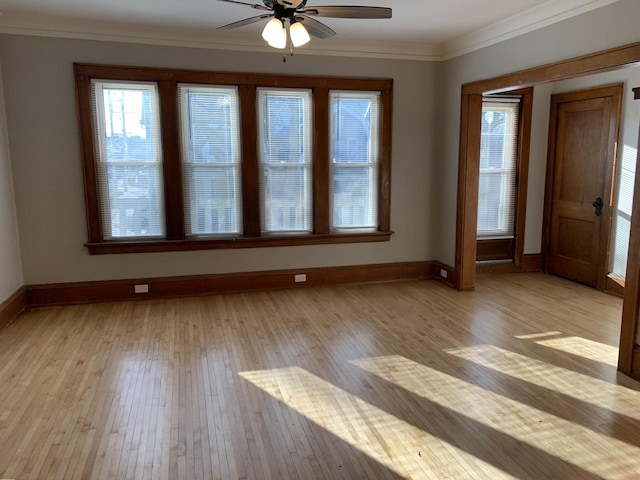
{"points": [[422, 309]]}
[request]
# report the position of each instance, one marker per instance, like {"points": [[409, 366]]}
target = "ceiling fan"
{"points": [[294, 17]]}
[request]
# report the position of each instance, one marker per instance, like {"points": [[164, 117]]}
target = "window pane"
{"points": [[622, 211], [210, 160], [129, 162], [354, 153], [285, 160], [498, 157]]}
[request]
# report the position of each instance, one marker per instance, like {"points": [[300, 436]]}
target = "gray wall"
{"points": [[43, 137], [607, 27], [41, 112], [10, 266]]}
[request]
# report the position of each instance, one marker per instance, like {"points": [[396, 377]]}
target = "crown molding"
{"points": [[58, 27], [548, 13]]}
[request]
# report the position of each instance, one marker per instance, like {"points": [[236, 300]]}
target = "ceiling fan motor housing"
{"points": [[288, 3]]}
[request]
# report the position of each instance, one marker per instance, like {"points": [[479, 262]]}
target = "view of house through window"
{"points": [[210, 160], [354, 154], [129, 162], [188, 160], [498, 162], [285, 160]]}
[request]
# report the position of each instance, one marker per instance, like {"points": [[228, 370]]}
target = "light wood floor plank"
{"points": [[381, 381]]}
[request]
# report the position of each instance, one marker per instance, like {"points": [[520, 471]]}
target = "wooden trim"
{"points": [[86, 292], [548, 189], [468, 178], [90, 175], [616, 94], [106, 248], [321, 159], [532, 262], [494, 249], [150, 74], [631, 303], [171, 164], [250, 169], [384, 178], [522, 179], [614, 284], [13, 306], [485, 268], [635, 368], [598, 62], [451, 279]]}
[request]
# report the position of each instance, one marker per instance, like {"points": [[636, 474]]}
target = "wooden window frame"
{"points": [[176, 240], [513, 248]]}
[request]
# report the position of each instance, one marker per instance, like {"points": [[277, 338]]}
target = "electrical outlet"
{"points": [[144, 288], [443, 273], [301, 277]]}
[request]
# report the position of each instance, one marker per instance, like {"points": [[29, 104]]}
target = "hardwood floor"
{"points": [[394, 380]]}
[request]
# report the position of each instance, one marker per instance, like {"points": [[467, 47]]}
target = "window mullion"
{"points": [[321, 160], [384, 175], [250, 170], [172, 171]]}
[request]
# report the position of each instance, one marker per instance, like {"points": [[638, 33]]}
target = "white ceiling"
{"points": [[419, 29]]}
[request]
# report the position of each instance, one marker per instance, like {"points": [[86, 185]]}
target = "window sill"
{"points": [[148, 246]]}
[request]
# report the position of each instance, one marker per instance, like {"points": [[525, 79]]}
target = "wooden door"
{"points": [[582, 147]]}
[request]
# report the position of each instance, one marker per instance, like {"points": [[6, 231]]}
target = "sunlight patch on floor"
{"points": [[583, 347], [394, 443], [542, 431], [539, 335], [568, 382]]}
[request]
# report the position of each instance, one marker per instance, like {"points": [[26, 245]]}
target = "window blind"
{"points": [[284, 144], [129, 162], [622, 212], [354, 144], [210, 160], [498, 163]]}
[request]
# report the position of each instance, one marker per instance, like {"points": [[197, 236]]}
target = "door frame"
{"points": [[468, 172], [615, 91]]}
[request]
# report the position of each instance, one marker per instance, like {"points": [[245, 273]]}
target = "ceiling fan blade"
{"points": [[246, 21], [344, 11], [252, 5], [315, 28]]}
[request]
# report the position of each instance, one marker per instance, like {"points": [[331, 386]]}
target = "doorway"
{"points": [[583, 132]]}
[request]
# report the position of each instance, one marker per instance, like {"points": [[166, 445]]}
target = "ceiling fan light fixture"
{"points": [[299, 34], [275, 34]]}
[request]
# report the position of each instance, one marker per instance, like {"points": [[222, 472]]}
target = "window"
{"points": [[354, 153], [502, 187], [622, 212], [210, 160], [128, 158], [498, 159], [186, 160], [285, 160]]}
